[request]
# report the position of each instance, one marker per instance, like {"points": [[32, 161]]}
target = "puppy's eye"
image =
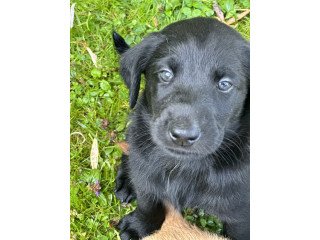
{"points": [[224, 85], [165, 75]]}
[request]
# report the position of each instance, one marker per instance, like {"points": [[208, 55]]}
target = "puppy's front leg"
{"points": [[147, 218]]}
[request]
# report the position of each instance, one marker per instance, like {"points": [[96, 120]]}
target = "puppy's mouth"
{"points": [[179, 152], [182, 153]]}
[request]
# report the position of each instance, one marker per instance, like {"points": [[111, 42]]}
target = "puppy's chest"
{"points": [[190, 188], [184, 187]]}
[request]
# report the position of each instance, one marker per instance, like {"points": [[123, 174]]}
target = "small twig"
{"points": [[218, 11], [239, 16]]}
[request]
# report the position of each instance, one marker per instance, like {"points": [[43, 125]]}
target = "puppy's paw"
{"points": [[131, 227], [124, 190]]}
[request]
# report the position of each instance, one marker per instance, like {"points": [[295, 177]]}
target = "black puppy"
{"points": [[189, 135]]}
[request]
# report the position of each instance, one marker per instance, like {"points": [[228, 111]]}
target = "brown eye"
{"points": [[224, 85], [165, 76]]}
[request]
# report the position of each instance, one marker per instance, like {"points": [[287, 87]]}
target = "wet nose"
{"points": [[184, 136]]}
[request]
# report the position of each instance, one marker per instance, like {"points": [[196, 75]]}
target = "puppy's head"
{"points": [[197, 83]]}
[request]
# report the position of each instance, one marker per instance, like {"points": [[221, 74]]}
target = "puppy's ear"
{"points": [[134, 61], [119, 43]]}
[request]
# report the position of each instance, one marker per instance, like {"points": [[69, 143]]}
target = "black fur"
{"points": [[210, 173]]}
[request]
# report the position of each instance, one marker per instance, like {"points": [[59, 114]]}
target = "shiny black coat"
{"points": [[210, 171]]}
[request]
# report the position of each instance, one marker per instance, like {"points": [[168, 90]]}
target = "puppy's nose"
{"points": [[184, 136]]}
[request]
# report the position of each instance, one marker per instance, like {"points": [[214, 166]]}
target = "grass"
{"points": [[99, 99]]}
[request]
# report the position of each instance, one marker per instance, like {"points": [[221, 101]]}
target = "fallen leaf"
{"points": [[124, 146], [218, 11], [72, 14], [93, 56], [94, 155]]}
